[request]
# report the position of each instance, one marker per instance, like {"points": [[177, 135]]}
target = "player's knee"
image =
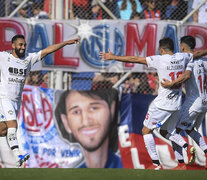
{"points": [[163, 132], [3, 129], [11, 124], [146, 130], [189, 131], [3, 132], [178, 130]]}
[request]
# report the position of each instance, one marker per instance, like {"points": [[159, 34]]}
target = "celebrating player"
{"points": [[195, 106], [14, 68], [163, 110]]}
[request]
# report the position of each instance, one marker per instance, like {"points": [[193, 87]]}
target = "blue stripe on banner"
{"points": [[133, 109]]}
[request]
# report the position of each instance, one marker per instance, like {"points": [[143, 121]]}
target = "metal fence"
{"points": [[102, 9], [146, 82]]}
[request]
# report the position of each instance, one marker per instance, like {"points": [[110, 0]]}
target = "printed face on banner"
{"points": [[90, 117]]}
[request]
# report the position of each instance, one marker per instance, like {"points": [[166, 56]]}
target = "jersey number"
{"points": [[175, 76], [203, 83]]}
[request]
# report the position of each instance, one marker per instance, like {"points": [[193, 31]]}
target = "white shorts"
{"points": [[159, 118], [8, 109], [191, 115]]}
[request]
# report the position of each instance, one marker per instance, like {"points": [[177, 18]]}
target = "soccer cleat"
{"points": [[180, 166], [155, 167], [22, 158], [191, 154]]}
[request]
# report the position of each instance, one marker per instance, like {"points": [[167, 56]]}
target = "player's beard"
{"points": [[20, 55]]}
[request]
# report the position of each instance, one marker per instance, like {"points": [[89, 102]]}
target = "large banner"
{"points": [[135, 37], [79, 129]]}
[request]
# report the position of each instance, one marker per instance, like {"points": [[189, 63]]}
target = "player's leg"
{"points": [[154, 119], [3, 128], [195, 135], [6, 154], [187, 122], [150, 145], [184, 121], [10, 114], [174, 134], [166, 130]]}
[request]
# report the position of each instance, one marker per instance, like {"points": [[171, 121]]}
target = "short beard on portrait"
{"points": [[94, 148], [20, 55], [90, 148]]}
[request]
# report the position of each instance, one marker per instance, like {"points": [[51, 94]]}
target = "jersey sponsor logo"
{"points": [[16, 71], [16, 80], [10, 112]]}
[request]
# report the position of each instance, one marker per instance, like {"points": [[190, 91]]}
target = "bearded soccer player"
{"points": [[14, 69]]}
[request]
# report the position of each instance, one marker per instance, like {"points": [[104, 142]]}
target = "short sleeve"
{"points": [[190, 66], [35, 57], [153, 61]]}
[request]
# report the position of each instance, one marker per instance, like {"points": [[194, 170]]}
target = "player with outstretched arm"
{"points": [[14, 68], [163, 110]]}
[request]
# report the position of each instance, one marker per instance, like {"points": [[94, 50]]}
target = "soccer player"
{"points": [[195, 106], [14, 68], [165, 106]]}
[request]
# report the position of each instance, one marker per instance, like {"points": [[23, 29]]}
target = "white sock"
{"points": [[12, 141], [151, 146], [178, 139], [198, 139]]}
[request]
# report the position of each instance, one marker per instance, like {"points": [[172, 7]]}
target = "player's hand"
{"points": [[166, 83], [106, 56], [75, 41]]}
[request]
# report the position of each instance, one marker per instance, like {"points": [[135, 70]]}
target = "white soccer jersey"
{"points": [[196, 86], [13, 73], [169, 67]]}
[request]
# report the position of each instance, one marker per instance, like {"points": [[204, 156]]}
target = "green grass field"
{"points": [[100, 174]]}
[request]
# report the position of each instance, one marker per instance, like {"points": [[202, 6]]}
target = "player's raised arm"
{"points": [[128, 59], [199, 53], [55, 47], [182, 78]]}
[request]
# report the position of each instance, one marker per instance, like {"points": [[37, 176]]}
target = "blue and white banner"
{"points": [[134, 37]]}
